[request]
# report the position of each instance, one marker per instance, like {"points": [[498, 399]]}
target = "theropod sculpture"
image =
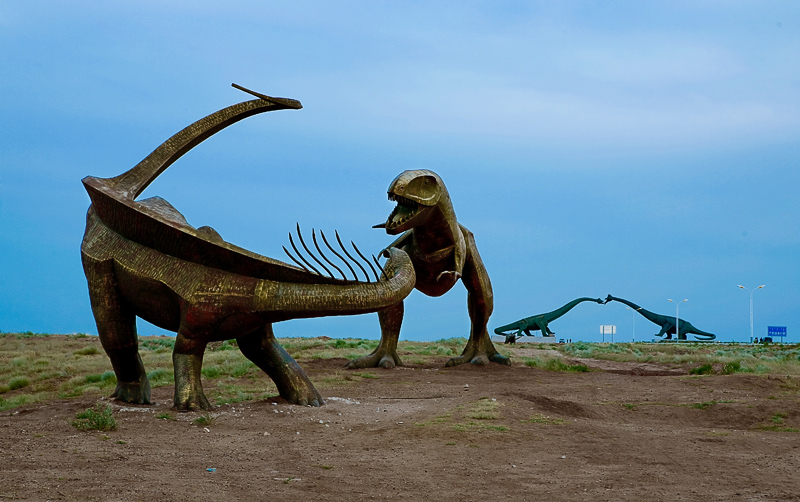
{"points": [[442, 252], [141, 258], [666, 322], [539, 322]]}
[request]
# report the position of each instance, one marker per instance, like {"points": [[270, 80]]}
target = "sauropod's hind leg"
{"points": [[263, 349]]}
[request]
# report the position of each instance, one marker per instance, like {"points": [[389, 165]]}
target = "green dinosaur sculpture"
{"points": [[666, 322], [442, 251], [141, 258], [539, 322]]}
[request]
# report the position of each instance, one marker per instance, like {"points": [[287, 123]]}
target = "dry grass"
{"points": [[38, 367]]}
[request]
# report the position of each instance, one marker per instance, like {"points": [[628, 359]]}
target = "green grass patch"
{"points": [[778, 418], [703, 406], [18, 382], [227, 392], [435, 421], [777, 428], [484, 409], [555, 364], [204, 420], [87, 351], [98, 418], [704, 357], [777, 424], [703, 369], [160, 377]]}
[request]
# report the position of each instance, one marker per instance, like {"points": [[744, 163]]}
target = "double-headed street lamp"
{"points": [[751, 307], [677, 320]]}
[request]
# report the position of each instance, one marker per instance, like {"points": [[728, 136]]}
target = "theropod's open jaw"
{"points": [[416, 193], [403, 215]]}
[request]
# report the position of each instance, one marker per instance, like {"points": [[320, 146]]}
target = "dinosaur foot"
{"points": [[133, 392], [378, 359], [303, 395], [192, 402], [479, 358]]}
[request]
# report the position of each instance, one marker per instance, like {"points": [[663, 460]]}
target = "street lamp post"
{"points": [[751, 307], [633, 320], [677, 319]]}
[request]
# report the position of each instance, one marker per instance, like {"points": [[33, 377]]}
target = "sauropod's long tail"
{"points": [[133, 182]]}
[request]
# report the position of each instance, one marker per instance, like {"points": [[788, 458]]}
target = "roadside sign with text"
{"points": [[776, 330]]}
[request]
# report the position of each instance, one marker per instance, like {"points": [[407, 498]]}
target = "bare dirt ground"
{"points": [[626, 431]]}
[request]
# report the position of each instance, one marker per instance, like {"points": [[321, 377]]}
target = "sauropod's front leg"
{"points": [[480, 302], [116, 327], [385, 355], [263, 349]]}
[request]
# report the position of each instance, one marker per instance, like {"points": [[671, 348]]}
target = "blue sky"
{"points": [[644, 149]]}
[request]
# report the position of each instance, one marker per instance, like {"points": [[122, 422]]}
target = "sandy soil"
{"points": [[622, 432]]}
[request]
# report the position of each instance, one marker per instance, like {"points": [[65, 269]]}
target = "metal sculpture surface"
{"points": [[442, 251], [141, 258], [666, 322], [539, 322]]}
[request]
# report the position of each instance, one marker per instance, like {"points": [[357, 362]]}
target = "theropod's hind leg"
{"points": [[480, 302], [385, 355], [116, 327], [263, 349]]}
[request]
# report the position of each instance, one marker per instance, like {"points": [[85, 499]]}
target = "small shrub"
{"points": [[98, 418], [704, 406], [704, 369], [18, 382], [87, 351], [778, 418], [204, 419]]}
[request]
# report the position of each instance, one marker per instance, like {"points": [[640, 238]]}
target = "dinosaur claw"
{"points": [[456, 275]]}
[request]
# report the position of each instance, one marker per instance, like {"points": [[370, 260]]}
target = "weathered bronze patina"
{"points": [[142, 258], [442, 251], [666, 322], [539, 322]]}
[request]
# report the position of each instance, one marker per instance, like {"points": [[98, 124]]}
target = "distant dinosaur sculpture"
{"points": [[666, 322], [442, 252], [539, 322], [141, 258]]}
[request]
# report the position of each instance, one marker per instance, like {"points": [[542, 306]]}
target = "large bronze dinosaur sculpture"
{"points": [[141, 258], [539, 322], [442, 251], [667, 323]]}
